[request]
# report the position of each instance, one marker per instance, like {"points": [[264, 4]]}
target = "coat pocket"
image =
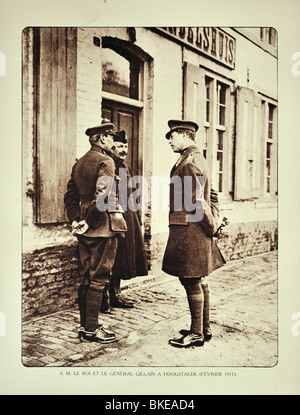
{"points": [[117, 222], [93, 216]]}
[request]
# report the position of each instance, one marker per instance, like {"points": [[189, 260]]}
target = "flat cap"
{"points": [[121, 137], [105, 127], [176, 125]]}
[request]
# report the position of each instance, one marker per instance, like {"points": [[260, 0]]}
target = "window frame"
{"points": [[212, 130], [122, 49], [269, 179], [268, 35]]}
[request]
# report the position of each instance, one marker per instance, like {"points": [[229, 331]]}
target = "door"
{"points": [[125, 117]]}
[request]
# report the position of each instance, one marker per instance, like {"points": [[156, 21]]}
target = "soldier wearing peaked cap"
{"points": [[104, 128], [181, 125], [131, 255], [191, 252], [97, 230]]}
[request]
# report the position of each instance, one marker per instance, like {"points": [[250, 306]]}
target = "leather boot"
{"points": [[190, 340], [105, 303], [116, 299], [100, 335]]}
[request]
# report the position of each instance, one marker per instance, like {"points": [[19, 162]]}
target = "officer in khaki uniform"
{"points": [[191, 252], [98, 221]]}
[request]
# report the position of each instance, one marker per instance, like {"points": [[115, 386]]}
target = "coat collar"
{"points": [[184, 155], [99, 150]]}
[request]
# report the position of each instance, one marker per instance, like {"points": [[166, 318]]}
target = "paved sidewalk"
{"points": [[243, 316]]}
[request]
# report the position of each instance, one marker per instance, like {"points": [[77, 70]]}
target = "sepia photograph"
{"points": [[125, 263]]}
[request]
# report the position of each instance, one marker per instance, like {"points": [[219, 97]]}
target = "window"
{"points": [[207, 98], [221, 128], [270, 121], [269, 147], [205, 143], [220, 161], [210, 108], [215, 127], [120, 75], [208, 113], [221, 103], [268, 35]]}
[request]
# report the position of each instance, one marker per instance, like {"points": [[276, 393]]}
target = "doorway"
{"points": [[125, 117]]}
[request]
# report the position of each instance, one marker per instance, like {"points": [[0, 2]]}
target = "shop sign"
{"points": [[210, 41]]}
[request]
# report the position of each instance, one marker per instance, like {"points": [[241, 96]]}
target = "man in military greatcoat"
{"points": [[98, 222], [131, 255], [191, 252]]}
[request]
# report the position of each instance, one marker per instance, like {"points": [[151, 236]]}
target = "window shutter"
{"points": [[247, 148], [56, 120], [193, 93]]}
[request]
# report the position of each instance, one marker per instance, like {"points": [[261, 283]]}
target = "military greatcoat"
{"points": [[131, 258], [191, 250]]}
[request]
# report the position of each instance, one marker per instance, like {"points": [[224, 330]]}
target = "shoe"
{"points": [[206, 331], [189, 340], [184, 332], [105, 309], [207, 334], [80, 331], [100, 335], [121, 302]]}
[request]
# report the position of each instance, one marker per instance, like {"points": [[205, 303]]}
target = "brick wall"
{"points": [[248, 239], [50, 280], [50, 275]]}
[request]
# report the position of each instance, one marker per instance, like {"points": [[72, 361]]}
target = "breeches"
{"points": [[97, 257]]}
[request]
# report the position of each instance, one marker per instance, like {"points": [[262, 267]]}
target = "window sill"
{"points": [[123, 100], [225, 203], [266, 204], [221, 127], [225, 206]]}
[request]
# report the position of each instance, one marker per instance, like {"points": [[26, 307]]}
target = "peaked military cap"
{"points": [[120, 136], [104, 128], [176, 125]]}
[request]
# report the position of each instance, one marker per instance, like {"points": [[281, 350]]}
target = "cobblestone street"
{"points": [[243, 315]]}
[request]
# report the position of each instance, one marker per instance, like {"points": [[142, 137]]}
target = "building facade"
{"points": [[225, 79]]}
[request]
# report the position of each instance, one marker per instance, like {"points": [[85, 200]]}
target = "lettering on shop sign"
{"points": [[210, 41]]}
